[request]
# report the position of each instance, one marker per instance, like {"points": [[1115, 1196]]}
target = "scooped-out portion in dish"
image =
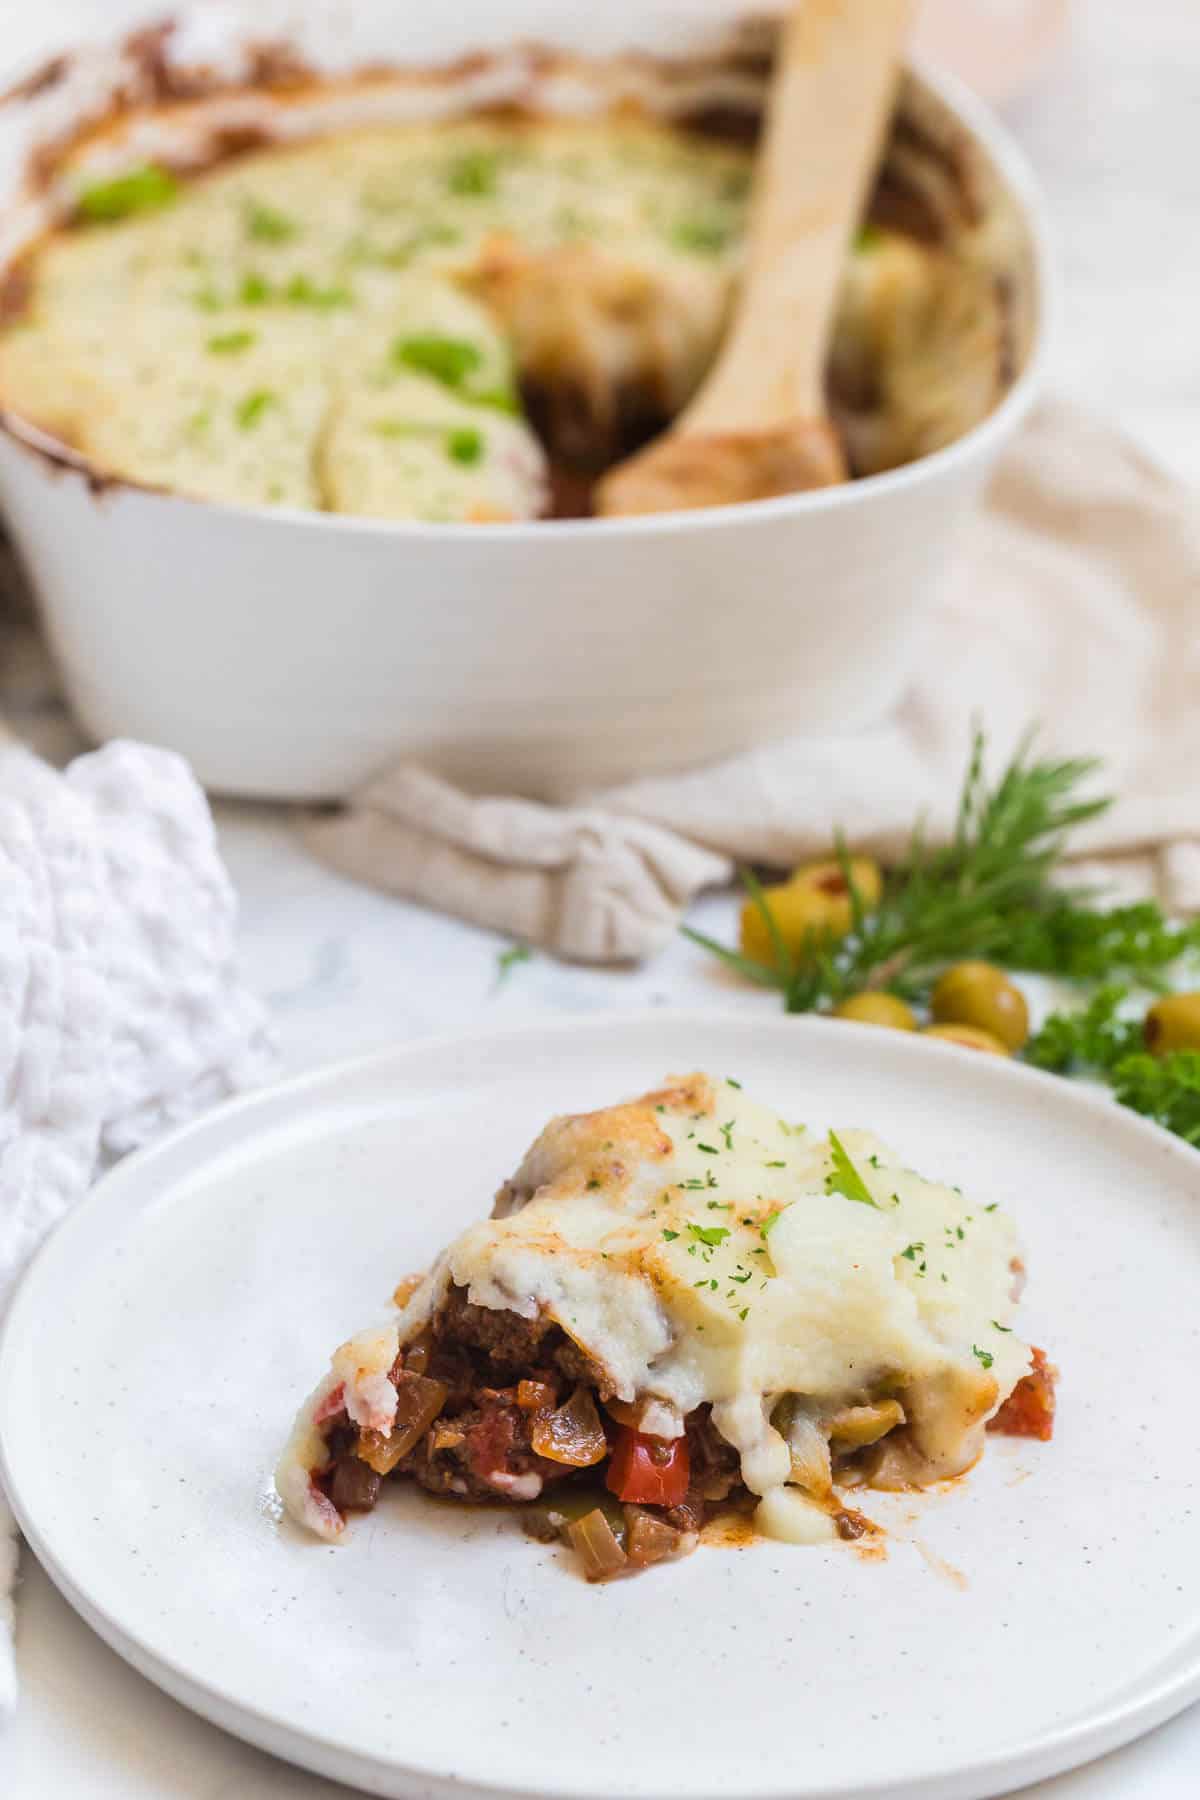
{"points": [[467, 318], [684, 1307]]}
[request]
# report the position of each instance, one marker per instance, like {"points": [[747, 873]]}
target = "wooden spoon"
{"points": [[758, 426]]}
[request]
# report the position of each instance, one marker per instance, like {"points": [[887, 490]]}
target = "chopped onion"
{"points": [[572, 1435], [653, 1417], [417, 1354], [549, 1518], [445, 1437], [418, 1403], [854, 1427], [625, 1412], [651, 1540], [809, 1448], [535, 1396], [595, 1541]]}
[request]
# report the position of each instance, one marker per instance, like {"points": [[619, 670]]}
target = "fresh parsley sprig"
{"points": [[1163, 1088], [844, 1178], [1101, 1041], [1096, 1038]]}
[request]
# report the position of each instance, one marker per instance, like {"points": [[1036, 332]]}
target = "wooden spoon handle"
{"points": [[831, 97]]}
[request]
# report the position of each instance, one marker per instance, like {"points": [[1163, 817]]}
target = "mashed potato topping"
{"points": [[433, 320], [832, 1313], [240, 336]]}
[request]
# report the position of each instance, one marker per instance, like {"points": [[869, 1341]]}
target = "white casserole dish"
{"points": [[292, 654]]}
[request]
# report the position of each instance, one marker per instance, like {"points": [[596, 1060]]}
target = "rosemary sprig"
{"points": [[990, 892]]}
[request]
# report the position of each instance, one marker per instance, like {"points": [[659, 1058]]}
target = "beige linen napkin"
{"points": [[1076, 605]]}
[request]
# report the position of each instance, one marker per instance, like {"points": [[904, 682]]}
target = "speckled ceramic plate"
{"points": [[1033, 1615]]}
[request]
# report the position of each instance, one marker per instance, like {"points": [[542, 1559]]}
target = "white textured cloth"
{"points": [[121, 1011], [1076, 606]]}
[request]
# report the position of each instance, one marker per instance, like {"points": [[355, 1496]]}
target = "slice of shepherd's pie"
{"points": [[683, 1306]]}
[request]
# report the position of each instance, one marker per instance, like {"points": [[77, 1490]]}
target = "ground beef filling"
{"points": [[475, 1387], [497, 1371]]}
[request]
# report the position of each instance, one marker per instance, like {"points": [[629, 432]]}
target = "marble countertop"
{"points": [[1112, 130]]}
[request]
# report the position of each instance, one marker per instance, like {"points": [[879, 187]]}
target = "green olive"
{"points": [[877, 1009], [1173, 1023], [828, 879], [971, 1037], [802, 919], [975, 993]]}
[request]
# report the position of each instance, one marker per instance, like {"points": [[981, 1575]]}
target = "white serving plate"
{"points": [[1034, 1615], [294, 655]]}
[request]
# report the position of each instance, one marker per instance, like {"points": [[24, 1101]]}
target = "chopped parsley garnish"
{"points": [[844, 1178], [670, 1235], [227, 343], [744, 1314], [404, 428], [138, 190], [474, 172], [720, 1206], [255, 289], [983, 1356], [464, 445], [705, 237], [1000, 1327], [768, 1225], [507, 960], [708, 1234], [498, 399], [694, 1182], [267, 226], [775, 1165], [302, 291], [251, 409], [742, 1279], [593, 1183], [726, 1131], [709, 1149], [912, 1252], [992, 1207], [730, 1082], [449, 360]]}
